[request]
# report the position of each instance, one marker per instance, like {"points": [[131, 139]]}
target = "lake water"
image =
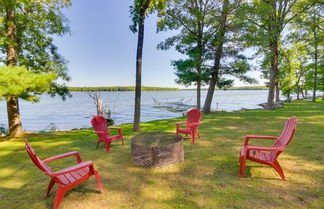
{"points": [[76, 112]]}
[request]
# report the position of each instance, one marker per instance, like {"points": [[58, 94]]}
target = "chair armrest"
{"points": [[117, 128], [182, 122], [179, 123], [265, 148], [248, 137], [99, 132], [71, 169], [68, 154], [194, 124]]}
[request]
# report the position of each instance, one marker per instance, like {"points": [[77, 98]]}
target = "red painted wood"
{"points": [[192, 123], [268, 155], [100, 126], [66, 178]]}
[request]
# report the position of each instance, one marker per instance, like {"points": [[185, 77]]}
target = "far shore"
{"points": [[152, 88]]}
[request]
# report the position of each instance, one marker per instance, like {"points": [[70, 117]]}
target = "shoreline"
{"points": [[151, 88]]}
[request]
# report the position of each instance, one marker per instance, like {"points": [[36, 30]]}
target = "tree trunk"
{"points": [[277, 92], [14, 121], [198, 94], [315, 67], [298, 91], [140, 41], [302, 92], [15, 126], [217, 59], [199, 66], [273, 72]]}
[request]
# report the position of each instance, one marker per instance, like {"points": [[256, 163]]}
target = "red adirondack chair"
{"points": [[99, 124], [67, 178], [268, 155], [192, 123]]}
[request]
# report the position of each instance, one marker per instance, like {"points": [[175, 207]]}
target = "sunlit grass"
{"points": [[206, 179]]}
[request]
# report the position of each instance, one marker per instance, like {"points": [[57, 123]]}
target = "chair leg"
{"points": [[123, 141], [59, 196], [193, 137], [242, 165], [50, 186], [198, 134], [278, 168], [107, 146], [97, 144], [98, 181]]}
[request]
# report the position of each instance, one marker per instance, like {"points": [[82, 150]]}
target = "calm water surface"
{"points": [[76, 112]]}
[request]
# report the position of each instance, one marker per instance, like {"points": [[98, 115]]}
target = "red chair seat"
{"points": [[74, 176], [259, 155]]}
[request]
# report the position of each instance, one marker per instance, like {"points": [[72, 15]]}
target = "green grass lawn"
{"points": [[206, 179]]}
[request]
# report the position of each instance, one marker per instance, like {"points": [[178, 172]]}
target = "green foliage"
{"points": [[307, 29], [37, 22], [195, 22], [264, 22], [3, 130], [187, 74], [144, 8], [18, 81], [198, 23]]}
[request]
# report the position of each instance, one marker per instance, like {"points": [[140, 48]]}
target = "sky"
{"points": [[101, 50]]}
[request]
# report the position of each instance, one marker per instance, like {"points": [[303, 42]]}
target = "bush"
{"points": [[3, 130]]}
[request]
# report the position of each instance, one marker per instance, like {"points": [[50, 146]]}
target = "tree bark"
{"points": [[199, 66], [14, 121], [138, 88], [277, 92], [302, 92], [217, 59], [315, 67], [273, 72]]}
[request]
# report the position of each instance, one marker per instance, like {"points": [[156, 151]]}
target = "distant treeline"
{"points": [[122, 88], [239, 88], [151, 88], [248, 88]]}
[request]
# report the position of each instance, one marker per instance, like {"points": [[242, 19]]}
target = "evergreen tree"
{"points": [[19, 82], [194, 20]]}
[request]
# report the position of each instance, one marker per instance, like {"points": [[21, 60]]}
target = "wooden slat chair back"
{"points": [[192, 123], [194, 116], [40, 164], [286, 136], [100, 126], [67, 178], [268, 155]]}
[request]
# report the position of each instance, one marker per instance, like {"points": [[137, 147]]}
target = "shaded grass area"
{"points": [[206, 179]]}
